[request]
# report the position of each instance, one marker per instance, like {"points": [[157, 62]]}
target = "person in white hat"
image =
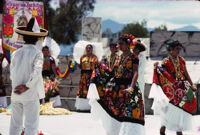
{"points": [[27, 84]]}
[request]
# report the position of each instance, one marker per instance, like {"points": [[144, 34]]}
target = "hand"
{"points": [[20, 89], [156, 64], [194, 88], [129, 90]]}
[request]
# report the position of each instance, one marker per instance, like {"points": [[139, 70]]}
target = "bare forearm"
{"points": [[134, 79], [54, 69], [188, 77]]}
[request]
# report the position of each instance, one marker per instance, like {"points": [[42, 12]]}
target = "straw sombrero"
{"points": [[32, 29]]}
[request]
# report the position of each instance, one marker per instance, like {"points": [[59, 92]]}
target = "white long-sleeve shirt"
{"points": [[26, 68]]}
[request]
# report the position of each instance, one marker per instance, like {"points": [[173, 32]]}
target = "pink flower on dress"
{"points": [[8, 19], [180, 93]]}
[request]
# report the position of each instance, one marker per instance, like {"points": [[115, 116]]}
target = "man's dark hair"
{"points": [[30, 39]]}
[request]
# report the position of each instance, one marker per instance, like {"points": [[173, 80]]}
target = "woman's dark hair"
{"points": [[173, 44], [89, 45], [124, 38], [127, 38], [45, 47], [113, 44], [30, 39]]}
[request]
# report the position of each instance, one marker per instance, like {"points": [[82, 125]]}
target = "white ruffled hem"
{"points": [[172, 117], [176, 119], [111, 125], [82, 104], [160, 100]]}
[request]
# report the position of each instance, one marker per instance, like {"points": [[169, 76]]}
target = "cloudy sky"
{"points": [[173, 14]]}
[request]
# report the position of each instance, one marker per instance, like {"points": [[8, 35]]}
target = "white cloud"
{"points": [[170, 26], [197, 25], [174, 14]]}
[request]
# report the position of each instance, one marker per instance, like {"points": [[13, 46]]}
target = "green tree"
{"points": [[137, 29], [64, 23], [161, 28], [68, 18]]}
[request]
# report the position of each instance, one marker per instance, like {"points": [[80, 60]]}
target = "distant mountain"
{"points": [[188, 28], [114, 26]]}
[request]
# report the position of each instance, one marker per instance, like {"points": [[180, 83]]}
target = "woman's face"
{"points": [[175, 51], [113, 49], [123, 45], [88, 50], [45, 52]]}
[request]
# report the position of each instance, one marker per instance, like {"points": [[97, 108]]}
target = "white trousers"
{"points": [[27, 110]]}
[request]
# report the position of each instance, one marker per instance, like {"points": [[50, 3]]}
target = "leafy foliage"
{"points": [[137, 29], [161, 28]]}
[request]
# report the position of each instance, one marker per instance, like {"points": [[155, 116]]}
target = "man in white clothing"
{"points": [[27, 83]]}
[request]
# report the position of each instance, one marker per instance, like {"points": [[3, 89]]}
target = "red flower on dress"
{"points": [[177, 84], [8, 19], [169, 91], [190, 107], [169, 65], [108, 92], [121, 93], [176, 100], [8, 31]]}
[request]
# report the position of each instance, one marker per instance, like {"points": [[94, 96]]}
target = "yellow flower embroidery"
{"points": [[12, 11], [100, 91], [129, 64], [114, 94], [136, 113], [34, 12]]}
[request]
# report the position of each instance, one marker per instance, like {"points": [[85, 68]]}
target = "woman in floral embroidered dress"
{"points": [[120, 107], [49, 66], [173, 79], [112, 60], [86, 65], [49, 74]]}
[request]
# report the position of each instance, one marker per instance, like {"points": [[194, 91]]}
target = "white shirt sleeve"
{"points": [[37, 70], [12, 65]]}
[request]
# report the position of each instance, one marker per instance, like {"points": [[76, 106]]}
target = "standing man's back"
{"points": [[27, 83]]}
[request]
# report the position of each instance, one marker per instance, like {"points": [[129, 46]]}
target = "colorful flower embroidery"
{"points": [[190, 107], [136, 113], [34, 12], [180, 93], [169, 91], [121, 103], [8, 19], [8, 31], [12, 11], [176, 89]]}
